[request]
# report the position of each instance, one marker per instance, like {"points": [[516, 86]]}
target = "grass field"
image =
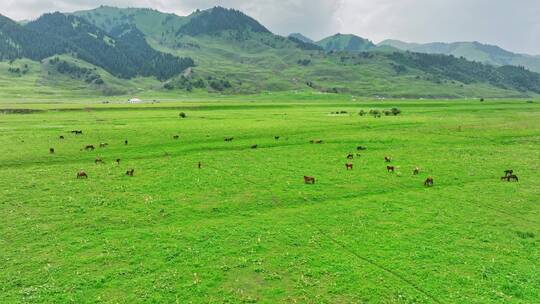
{"points": [[245, 228]]}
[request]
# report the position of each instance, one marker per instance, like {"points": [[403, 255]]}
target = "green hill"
{"points": [[475, 51], [232, 53], [349, 43], [301, 37]]}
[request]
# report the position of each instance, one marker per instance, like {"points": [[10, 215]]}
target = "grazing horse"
{"points": [[89, 147], [130, 172], [350, 156], [51, 150], [254, 146], [390, 168], [229, 139], [416, 171], [361, 148], [309, 180], [388, 159], [61, 137], [176, 137], [429, 182], [77, 132], [103, 145], [118, 161], [82, 174], [513, 178], [98, 161], [349, 166]]}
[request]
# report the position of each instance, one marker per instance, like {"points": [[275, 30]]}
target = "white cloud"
{"points": [[511, 24]]}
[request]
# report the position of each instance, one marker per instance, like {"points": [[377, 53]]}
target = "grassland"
{"points": [[245, 228]]}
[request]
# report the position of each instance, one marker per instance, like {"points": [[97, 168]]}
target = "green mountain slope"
{"points": [[475, 51], [234, 54], [301, 37], [350, 43]]}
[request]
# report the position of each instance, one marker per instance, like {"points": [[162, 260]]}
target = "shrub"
{"points": [[182, 115], [362, 113], [395, 111]]}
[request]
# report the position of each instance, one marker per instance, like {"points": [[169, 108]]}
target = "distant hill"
{"points": [[114, 51], [349, 43], [219, 19], [475, 51], [301, 37]]}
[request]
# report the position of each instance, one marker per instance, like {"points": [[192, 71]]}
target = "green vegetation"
{"points": [[349, 43], [474, 51], [244, 227]]}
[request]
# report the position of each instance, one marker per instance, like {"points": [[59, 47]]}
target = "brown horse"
{"points": [[61, 137], [388, 159], [416, 171], [429, 182], [51, 150], [350, 156], [309, 180], [390, 168], [130, 172], [82, 174], [98, 161], [89, 147], [349, 166]]}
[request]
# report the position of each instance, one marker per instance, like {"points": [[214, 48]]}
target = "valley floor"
{"points": [[245, 228]]}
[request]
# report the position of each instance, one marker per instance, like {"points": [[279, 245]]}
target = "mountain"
{"points": [[301, 38], [119, 51], [475, 51], [349, 43]]}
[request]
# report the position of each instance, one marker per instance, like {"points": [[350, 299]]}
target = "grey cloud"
{"points": [[511, 24]]}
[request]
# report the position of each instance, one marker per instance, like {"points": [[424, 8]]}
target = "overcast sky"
{"points": [[511, 24]]}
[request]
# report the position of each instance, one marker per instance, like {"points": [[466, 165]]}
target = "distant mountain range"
{"points": [[120, 51], [474, 51]]}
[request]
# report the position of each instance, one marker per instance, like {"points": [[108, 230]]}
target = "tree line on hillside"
{"points": [[123, 53]]}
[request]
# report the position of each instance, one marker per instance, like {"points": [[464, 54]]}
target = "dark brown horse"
{"points": [[254, 146], [89, 147], [388, 159], [82, 174], [61, 137], [130, 172], [416, 171], [429, 182], [349, 166], [77, 132], [276, 137], [51, 150], [390, 168], [309, 180]]}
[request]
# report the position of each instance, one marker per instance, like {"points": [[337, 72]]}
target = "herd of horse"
{"points": [[429, 182]]}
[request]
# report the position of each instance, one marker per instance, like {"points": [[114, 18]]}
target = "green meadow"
{"points": [[244, 228]]}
